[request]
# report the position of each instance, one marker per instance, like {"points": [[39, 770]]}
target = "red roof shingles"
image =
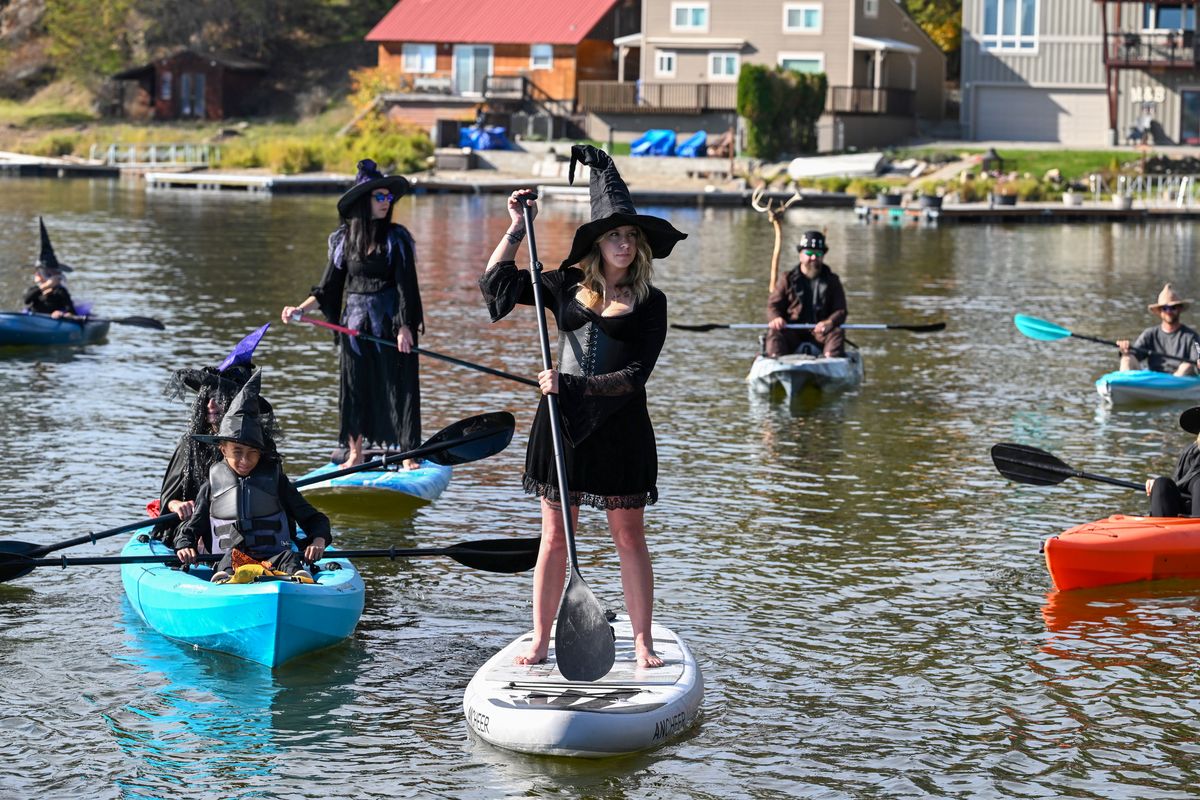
{"points": [[491, 21]]}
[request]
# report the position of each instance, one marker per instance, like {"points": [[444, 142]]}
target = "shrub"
{"points": [[56, 144], [781, 108]]}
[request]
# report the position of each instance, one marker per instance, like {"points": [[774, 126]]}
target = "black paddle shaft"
{"points": [[1136, 351]]}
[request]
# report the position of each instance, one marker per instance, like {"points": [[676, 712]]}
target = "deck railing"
{"points": [[646, 97], [1152, 49], [1180, 191], [867, 100], [151, 155]]}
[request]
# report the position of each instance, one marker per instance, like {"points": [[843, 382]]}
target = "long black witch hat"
{"points": [[612, 207], [47, 261], [242, 422]]}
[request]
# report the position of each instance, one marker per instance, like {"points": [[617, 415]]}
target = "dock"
{"points": [[1023, 213], [249, 182]]}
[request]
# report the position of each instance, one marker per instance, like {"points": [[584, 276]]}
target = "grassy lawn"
{"points": [[1073, 164]]}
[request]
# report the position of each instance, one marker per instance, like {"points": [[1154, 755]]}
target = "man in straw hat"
{"points": [[1169, 346]]}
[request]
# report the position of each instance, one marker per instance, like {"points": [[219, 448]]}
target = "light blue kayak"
{"points": [[19, 328], [1147, 386], [269, 622], [423, 485]]}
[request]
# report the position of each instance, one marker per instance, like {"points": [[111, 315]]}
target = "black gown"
{"points": [[57, 299], [609, 446], [379, 394]]}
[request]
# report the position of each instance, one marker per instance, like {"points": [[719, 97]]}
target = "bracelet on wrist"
{"points": [[514, 237]]}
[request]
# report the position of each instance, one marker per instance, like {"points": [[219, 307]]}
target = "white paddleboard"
{"points": [[533, 709]]}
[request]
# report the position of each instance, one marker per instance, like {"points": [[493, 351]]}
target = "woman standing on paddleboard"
{"points": [[612, 324]]}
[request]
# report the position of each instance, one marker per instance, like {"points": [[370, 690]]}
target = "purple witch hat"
{"points": [[368, 179], [230, 375]]}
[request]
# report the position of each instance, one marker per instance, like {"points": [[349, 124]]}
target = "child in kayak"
{"points": [[1178, 495], [48, 295], [248, 508]]}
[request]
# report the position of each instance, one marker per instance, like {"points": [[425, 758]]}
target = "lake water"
{"points": [[862, 590]]}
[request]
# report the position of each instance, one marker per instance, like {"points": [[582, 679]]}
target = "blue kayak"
{"points": [[423, 485], [19, 328], [1147, 386], [268, 622]]}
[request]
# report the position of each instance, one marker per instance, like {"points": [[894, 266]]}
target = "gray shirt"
{"points": [[1154, 343]]}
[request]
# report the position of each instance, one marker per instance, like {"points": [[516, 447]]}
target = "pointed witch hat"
{"points": [[242, 422], [230, 375], [368, 179], [612, 207], [47, 262]]}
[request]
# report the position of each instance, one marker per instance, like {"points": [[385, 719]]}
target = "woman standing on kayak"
{"points": [[372, 264], [612, 324]]}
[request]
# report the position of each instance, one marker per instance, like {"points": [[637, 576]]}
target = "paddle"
{"points": [[1044, 331], [584, 642], [464, 441], [490, 555], [1025, 464], [300, 317], [137, 322], [928, 327]]}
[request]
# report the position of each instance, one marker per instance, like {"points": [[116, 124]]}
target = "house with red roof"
{"points": [[521, 60]]}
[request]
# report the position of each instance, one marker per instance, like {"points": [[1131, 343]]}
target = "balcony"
{"points": [[867, 100], [1151, 49], [612, 97]]}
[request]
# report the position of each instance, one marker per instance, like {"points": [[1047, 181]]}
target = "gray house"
{"points": [[1080, 72], [884, 72]]}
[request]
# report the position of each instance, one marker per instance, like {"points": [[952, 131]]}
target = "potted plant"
{"points": [[887, 198], [1072, 196], [1122, 198], [927, 195], [1003, 194]]}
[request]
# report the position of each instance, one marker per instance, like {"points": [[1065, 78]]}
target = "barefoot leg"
{"points": [[354, 452], [637, 579], [549, 577]]}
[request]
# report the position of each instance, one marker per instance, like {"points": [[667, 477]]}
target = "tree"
{"points": [[941, 19], [781, 108], [91, 39]]}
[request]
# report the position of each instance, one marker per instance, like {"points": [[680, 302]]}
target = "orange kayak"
{"points": [[1123, 549]]}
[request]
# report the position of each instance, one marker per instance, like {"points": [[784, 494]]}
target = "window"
{"points": [[541, 56], [801, 17], [420, 57], [164, 86], [1190, 106], [803, 62], [871, 8], [1010, 24], [664, 64], [689, 17], [723, 66], [1168, 18]]}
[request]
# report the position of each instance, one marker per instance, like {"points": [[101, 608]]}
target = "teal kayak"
{"points": [[268, 622], [1147, 386], [19, 328], [423, 485]]}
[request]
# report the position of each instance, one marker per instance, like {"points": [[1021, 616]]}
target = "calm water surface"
{"points": [[863, 592]]}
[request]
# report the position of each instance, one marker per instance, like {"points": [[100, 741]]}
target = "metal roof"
{"points": [[491, 21]]}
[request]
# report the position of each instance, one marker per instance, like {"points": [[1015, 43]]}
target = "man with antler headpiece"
{"points": [[810, 294]]}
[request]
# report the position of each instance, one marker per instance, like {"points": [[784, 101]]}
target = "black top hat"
{"points": [[1190, 420], [242, 422], [369, 179], [813, 240], [47, 262], [612, 207]]}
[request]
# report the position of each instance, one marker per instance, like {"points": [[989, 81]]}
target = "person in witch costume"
{"points": [[1179, 495], [48, 295], [372, 264], [213, 389], [612, 324], [811, 293], [248, 508]]}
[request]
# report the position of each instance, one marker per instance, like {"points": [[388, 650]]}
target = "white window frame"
{"points": [[737, 64], [691, 28], [413, 56], [1010, 44], [659, 55], [546, 56], [802, 7], [819, 57], [871, 8]]}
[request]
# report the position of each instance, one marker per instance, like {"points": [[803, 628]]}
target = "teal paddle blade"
{"points": [[1039, 329]]}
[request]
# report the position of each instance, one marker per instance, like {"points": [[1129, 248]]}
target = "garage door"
{"points": [[1041, 115]]}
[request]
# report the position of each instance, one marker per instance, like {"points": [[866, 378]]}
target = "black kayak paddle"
{"points": [[1025, 464]]}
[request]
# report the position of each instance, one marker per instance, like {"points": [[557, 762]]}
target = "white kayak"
{"points": [[1147, 386], [534, 709], [795, 372]]}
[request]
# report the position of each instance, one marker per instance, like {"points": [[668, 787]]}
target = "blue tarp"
{"points": [[487, 138], [695, 146], [654, 143]]}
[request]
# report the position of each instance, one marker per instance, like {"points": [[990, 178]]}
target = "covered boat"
{"points": [[268, 622], [1147, 386], [795, 372], [534, 709], [388, 486], [1122, 549], [21, 328]]}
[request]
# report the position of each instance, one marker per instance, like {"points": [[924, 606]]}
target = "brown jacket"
{"points": [[800, 300]]}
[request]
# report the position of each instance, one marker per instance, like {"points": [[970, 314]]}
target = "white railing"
{"points": [[1180, 191], [161, 155]]}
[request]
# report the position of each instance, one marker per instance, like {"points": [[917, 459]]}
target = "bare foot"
{"points": [[535, 655], [353, 460], [412, 463], [647, 658]]}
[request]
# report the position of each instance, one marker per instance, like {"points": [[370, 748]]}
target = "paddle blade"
{"points": [[1025, 464], [700, 328], [1039, 329], [484, 435], [584, 644], [140, 322], [931, 327], [507, 556], [15, 560]]}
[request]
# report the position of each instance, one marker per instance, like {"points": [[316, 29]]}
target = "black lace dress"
{"points": [[604, 363], [379, 396]]}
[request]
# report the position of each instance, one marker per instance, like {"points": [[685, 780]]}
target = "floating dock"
{"points": [[1023, 213], [264, 184]]}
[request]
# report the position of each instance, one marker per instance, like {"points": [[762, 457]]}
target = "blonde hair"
{"points": [[641, 271]]}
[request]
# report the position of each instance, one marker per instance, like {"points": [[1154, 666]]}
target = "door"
{"points": [[472, 64], [1190, 133]]}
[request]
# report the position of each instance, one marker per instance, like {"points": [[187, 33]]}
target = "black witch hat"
{"points": [[47, 262], [369, 179], [229, 376], [242, 422], [612, 207]]}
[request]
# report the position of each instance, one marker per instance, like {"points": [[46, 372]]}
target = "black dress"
{"points": [[57, 299], [609, 447], [379, 396]]}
